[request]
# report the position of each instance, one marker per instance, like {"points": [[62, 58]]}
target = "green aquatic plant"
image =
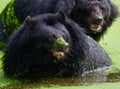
{"points": [[59, 41], [9, 20]]}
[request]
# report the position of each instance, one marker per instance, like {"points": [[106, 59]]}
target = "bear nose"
{"points": [[66, 47], [98, 20]]}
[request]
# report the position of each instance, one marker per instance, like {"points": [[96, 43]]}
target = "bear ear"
{"points": [[61, 16], [28, 22]]}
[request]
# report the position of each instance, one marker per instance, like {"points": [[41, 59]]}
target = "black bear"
{"points": [[52, 45], [94, 15]]}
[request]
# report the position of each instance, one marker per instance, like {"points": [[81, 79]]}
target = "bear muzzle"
{"points": [[60, 48]]}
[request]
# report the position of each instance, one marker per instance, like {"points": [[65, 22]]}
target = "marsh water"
{"points": [[86, 80]]}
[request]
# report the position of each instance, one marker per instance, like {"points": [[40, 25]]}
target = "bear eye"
{"points": [[52, 37], [102, 8], [63, 36]]}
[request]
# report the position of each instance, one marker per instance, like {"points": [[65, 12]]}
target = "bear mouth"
{"points": [[96, 25], [96, 28], [59, 51]]}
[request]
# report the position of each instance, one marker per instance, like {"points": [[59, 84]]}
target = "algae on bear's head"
{"points": [[59, 41], [59, 48]]}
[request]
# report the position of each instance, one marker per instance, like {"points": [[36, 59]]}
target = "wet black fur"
{"points": [[74, 9], [27, 53]]}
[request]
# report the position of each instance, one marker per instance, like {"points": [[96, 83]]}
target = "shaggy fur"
{"points": [[28, 52], [94, 15]]}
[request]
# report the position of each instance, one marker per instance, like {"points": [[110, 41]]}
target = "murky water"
{"points": [[88, 79]]}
